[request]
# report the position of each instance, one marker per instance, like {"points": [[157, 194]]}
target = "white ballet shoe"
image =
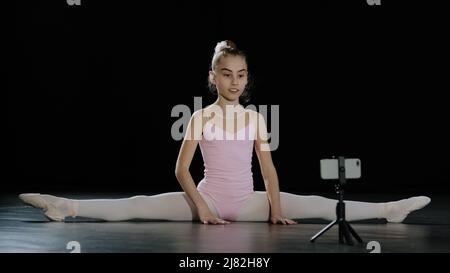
{"points": [[398, 211], [50, 210]]}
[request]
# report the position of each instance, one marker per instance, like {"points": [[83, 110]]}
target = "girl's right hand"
{"points": [[207, 217]]}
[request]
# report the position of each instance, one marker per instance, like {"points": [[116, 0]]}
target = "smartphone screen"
{"points": [[329, 168]]}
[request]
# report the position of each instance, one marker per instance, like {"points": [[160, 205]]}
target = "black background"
{"points": [[91, 89]]}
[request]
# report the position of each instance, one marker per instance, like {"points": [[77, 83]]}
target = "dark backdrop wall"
{"points": [[92, 87]]}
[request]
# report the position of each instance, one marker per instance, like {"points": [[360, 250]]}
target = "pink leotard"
{"points": [[228, 179]]}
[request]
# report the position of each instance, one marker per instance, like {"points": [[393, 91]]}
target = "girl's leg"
{"points": [[173, 206], [257, 208], [312, 206]]}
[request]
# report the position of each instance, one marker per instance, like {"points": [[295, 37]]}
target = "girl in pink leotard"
{"points": [[228, 183], [226, 192]]}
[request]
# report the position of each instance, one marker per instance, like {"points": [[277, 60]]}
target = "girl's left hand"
{"points": [[278, 219]]}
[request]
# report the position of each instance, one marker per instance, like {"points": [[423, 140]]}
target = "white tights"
{"points": [[176, 206]]}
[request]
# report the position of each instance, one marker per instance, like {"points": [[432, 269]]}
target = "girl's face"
{"points": [[230, 77]]}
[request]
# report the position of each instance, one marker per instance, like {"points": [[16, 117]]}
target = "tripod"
{"points": [[345, 230]]}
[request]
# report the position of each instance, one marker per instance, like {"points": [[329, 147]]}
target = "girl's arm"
{"points": [[184, 177], [269, 173]]}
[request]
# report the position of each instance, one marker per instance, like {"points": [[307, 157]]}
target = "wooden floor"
{"points": [[24, 229]]}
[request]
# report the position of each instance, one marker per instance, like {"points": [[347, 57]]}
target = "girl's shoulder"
{"points": [[202, 116], [252, 114]]}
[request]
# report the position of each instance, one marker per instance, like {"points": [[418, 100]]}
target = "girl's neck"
{"points": [[229, 107]]}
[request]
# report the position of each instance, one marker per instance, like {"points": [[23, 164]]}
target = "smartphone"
{"points": [[329, 168]]}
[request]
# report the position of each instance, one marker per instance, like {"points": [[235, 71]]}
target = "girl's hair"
{"points": [[227, 48]]}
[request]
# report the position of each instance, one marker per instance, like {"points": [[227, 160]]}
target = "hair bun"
{"points": [[224, 44]]}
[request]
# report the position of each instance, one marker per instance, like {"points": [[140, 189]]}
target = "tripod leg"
{"points": [[323, 231], [341, 232], [346, 233], [353, 232]]}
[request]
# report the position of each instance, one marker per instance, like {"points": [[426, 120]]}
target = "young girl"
{"points": [[226, 192]]}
